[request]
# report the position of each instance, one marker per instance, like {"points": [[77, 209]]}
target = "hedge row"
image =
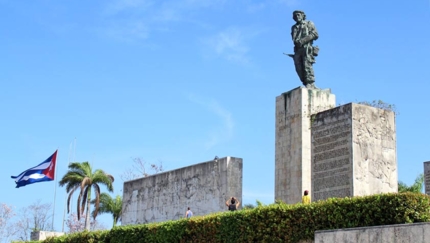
{"points": [[274, 223]]}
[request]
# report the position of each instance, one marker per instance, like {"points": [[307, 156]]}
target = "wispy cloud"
{"points": [[201, 3], [130, 16], [255, 7], [128, 31], [290, 3], [119, 6], [222, 132], [229, 44]]}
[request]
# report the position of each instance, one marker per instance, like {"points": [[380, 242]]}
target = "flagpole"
{"points": [[55, 188], [65, 200], [74, 151], [74, 154]]}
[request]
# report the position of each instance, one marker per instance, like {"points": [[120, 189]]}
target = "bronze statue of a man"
{"points": [[304, 33]]}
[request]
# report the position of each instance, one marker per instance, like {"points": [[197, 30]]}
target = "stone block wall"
{"points": [[165, 196], [332, 153], [427, 177], [353, 152]]}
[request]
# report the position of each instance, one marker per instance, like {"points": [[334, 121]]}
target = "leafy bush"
{"points": [[85, 236], [278, 222]]}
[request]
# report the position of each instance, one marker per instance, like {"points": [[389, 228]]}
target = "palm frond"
{"points": [[86, 168], [69, 197], [104, 203], [70, 178], [78, 207], [78, 166], [118, 208], [97, 199], [110, 177], [100, 177], [110, 205], [85, 195]]}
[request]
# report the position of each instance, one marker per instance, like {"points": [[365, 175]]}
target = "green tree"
{"points": [[248, 206], [81, 176], [252, 206], [110, 205], [416, 187], [259, 203]]}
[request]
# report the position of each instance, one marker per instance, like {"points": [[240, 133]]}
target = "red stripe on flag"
{"points": [[50, 171]]}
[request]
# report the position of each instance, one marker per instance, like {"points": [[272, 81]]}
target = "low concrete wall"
{"points": [[413, 233], [165, 196], [42, 235]]}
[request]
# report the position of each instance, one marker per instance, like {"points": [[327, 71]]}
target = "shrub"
{"points": [[278, 222]]}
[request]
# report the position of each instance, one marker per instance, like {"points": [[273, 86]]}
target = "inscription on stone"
{"points": [[427, 184], [427, 177], [333, 193], [331, 167]]}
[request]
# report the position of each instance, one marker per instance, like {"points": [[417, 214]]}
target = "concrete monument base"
{"points": [[294, 111]]}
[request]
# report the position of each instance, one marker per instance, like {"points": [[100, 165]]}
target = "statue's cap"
{"points": [[298, 11]]}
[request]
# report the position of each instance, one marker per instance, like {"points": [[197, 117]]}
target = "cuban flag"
{"points": [[45, 171]]}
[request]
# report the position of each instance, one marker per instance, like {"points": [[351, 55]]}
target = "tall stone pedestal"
{"points": [[353, 152], [293, 140]]}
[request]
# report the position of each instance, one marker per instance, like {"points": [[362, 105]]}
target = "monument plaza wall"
{"points": [[293, 140], [353, 152], [165, 196], [398, 233]]}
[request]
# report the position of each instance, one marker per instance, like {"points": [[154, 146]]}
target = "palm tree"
{"points": [[110, 205], [81, 176]]}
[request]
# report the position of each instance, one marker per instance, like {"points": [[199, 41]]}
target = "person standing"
{"points": [[189, 213], [304, 34], [306, 199], [232, 203]]}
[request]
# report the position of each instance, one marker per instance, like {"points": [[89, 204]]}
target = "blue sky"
{"points": [[184, 80]]}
